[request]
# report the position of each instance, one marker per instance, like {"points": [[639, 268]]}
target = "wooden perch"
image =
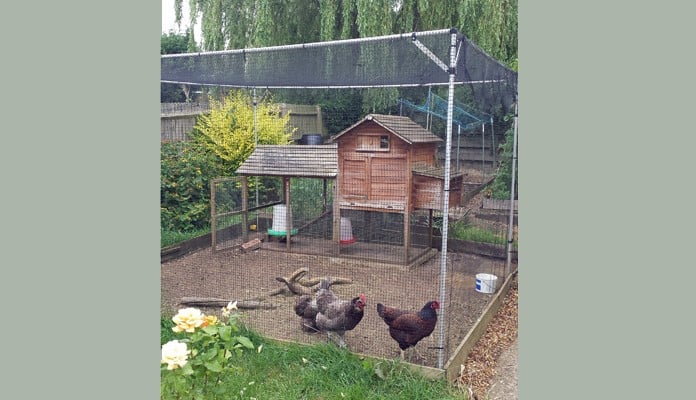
{"points": [[214, 302], [332, 281], [300, 286], [294, 285]]}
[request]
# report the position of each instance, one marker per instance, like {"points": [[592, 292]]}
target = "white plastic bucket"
{"points": [[346, 231], [279, 218], [485, 283]]}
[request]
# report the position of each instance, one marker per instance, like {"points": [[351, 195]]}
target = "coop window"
{"points": [[373, 143], [384, 142]]}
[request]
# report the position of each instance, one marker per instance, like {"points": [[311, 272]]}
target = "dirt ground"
{"points": [[236, 275]]}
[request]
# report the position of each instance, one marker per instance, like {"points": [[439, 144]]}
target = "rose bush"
{"points": [[196, 363]]}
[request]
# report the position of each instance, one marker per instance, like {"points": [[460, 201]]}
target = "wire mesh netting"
{"points": [[358, 198], [416, 59]]}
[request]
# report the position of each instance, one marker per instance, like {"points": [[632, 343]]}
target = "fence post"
{"points": [[213, 228], [245, 207]]}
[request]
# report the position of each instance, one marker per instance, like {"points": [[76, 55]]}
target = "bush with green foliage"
{"points": [[500, 187], [196, 363], [230, 130], [186, 169], [220, 142]]}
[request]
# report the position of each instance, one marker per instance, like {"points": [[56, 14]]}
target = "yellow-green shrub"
{"points": [[228, 130]]}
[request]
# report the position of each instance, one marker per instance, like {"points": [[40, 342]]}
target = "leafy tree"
{"points": [[228, 130], [500, 187], [341, 108], [173, 43], [235, 24], [492, 25]]}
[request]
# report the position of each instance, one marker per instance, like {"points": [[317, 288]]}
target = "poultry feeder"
{"points": [[346, 231], [279, 227]]}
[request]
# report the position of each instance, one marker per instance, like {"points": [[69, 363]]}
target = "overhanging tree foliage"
{"points": [[237, 24], [173, 43]]}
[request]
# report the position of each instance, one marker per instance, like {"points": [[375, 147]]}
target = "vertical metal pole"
{"points": [[256, 143], [445, 201], [428, 116], [483, 152], [213, 225], [512, 198], [288, 218], [459, 135], [494, 148], [245, 208]]}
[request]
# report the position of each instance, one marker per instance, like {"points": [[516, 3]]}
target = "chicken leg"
{"points": [[409, 353], [341, 342]]}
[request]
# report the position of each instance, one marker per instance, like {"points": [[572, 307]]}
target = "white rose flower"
{"points": [[174, 354], [188, 319]]}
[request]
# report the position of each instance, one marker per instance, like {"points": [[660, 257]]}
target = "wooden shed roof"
{"points": [[403, 127], [433, 172], [308, 161]]}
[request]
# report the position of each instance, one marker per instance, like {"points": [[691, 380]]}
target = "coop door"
{"points": [[388, 179], [354, 180]]}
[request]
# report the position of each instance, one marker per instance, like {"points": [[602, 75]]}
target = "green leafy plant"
{"points": [[500, 187], [232, 128], [195, 364], [463, 230], [286, 370], [186, 170], [307, 198], [220, 142]]}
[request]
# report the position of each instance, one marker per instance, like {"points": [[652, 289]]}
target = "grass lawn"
{"points": [[323, 371]]}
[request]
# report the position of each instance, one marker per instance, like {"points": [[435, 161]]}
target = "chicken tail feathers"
{"points": [[380, 309]]}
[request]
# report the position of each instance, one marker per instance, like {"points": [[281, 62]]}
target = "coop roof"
{"points": [[403, 127], [309, 161], [432, 171]]}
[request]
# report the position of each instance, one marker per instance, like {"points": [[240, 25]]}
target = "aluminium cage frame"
{"points": [[450, 68]]}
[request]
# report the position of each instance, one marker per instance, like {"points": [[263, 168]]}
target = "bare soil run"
{"points": [[235, 275], [490, 371]]}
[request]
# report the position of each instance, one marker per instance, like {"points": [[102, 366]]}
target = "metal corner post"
{"points": [[445, 199], [512, 196]]}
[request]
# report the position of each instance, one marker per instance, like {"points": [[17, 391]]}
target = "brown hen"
{"points": [[407, 328]]}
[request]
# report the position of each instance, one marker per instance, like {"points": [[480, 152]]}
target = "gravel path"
{"points": [[490, 371], [504, 385]]}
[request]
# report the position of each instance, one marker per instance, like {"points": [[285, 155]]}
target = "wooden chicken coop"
{"points": [[387, 163], [382, 164]]}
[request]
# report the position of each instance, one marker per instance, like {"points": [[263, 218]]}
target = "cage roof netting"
{"points": [[462, 114], [410, 59]]}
